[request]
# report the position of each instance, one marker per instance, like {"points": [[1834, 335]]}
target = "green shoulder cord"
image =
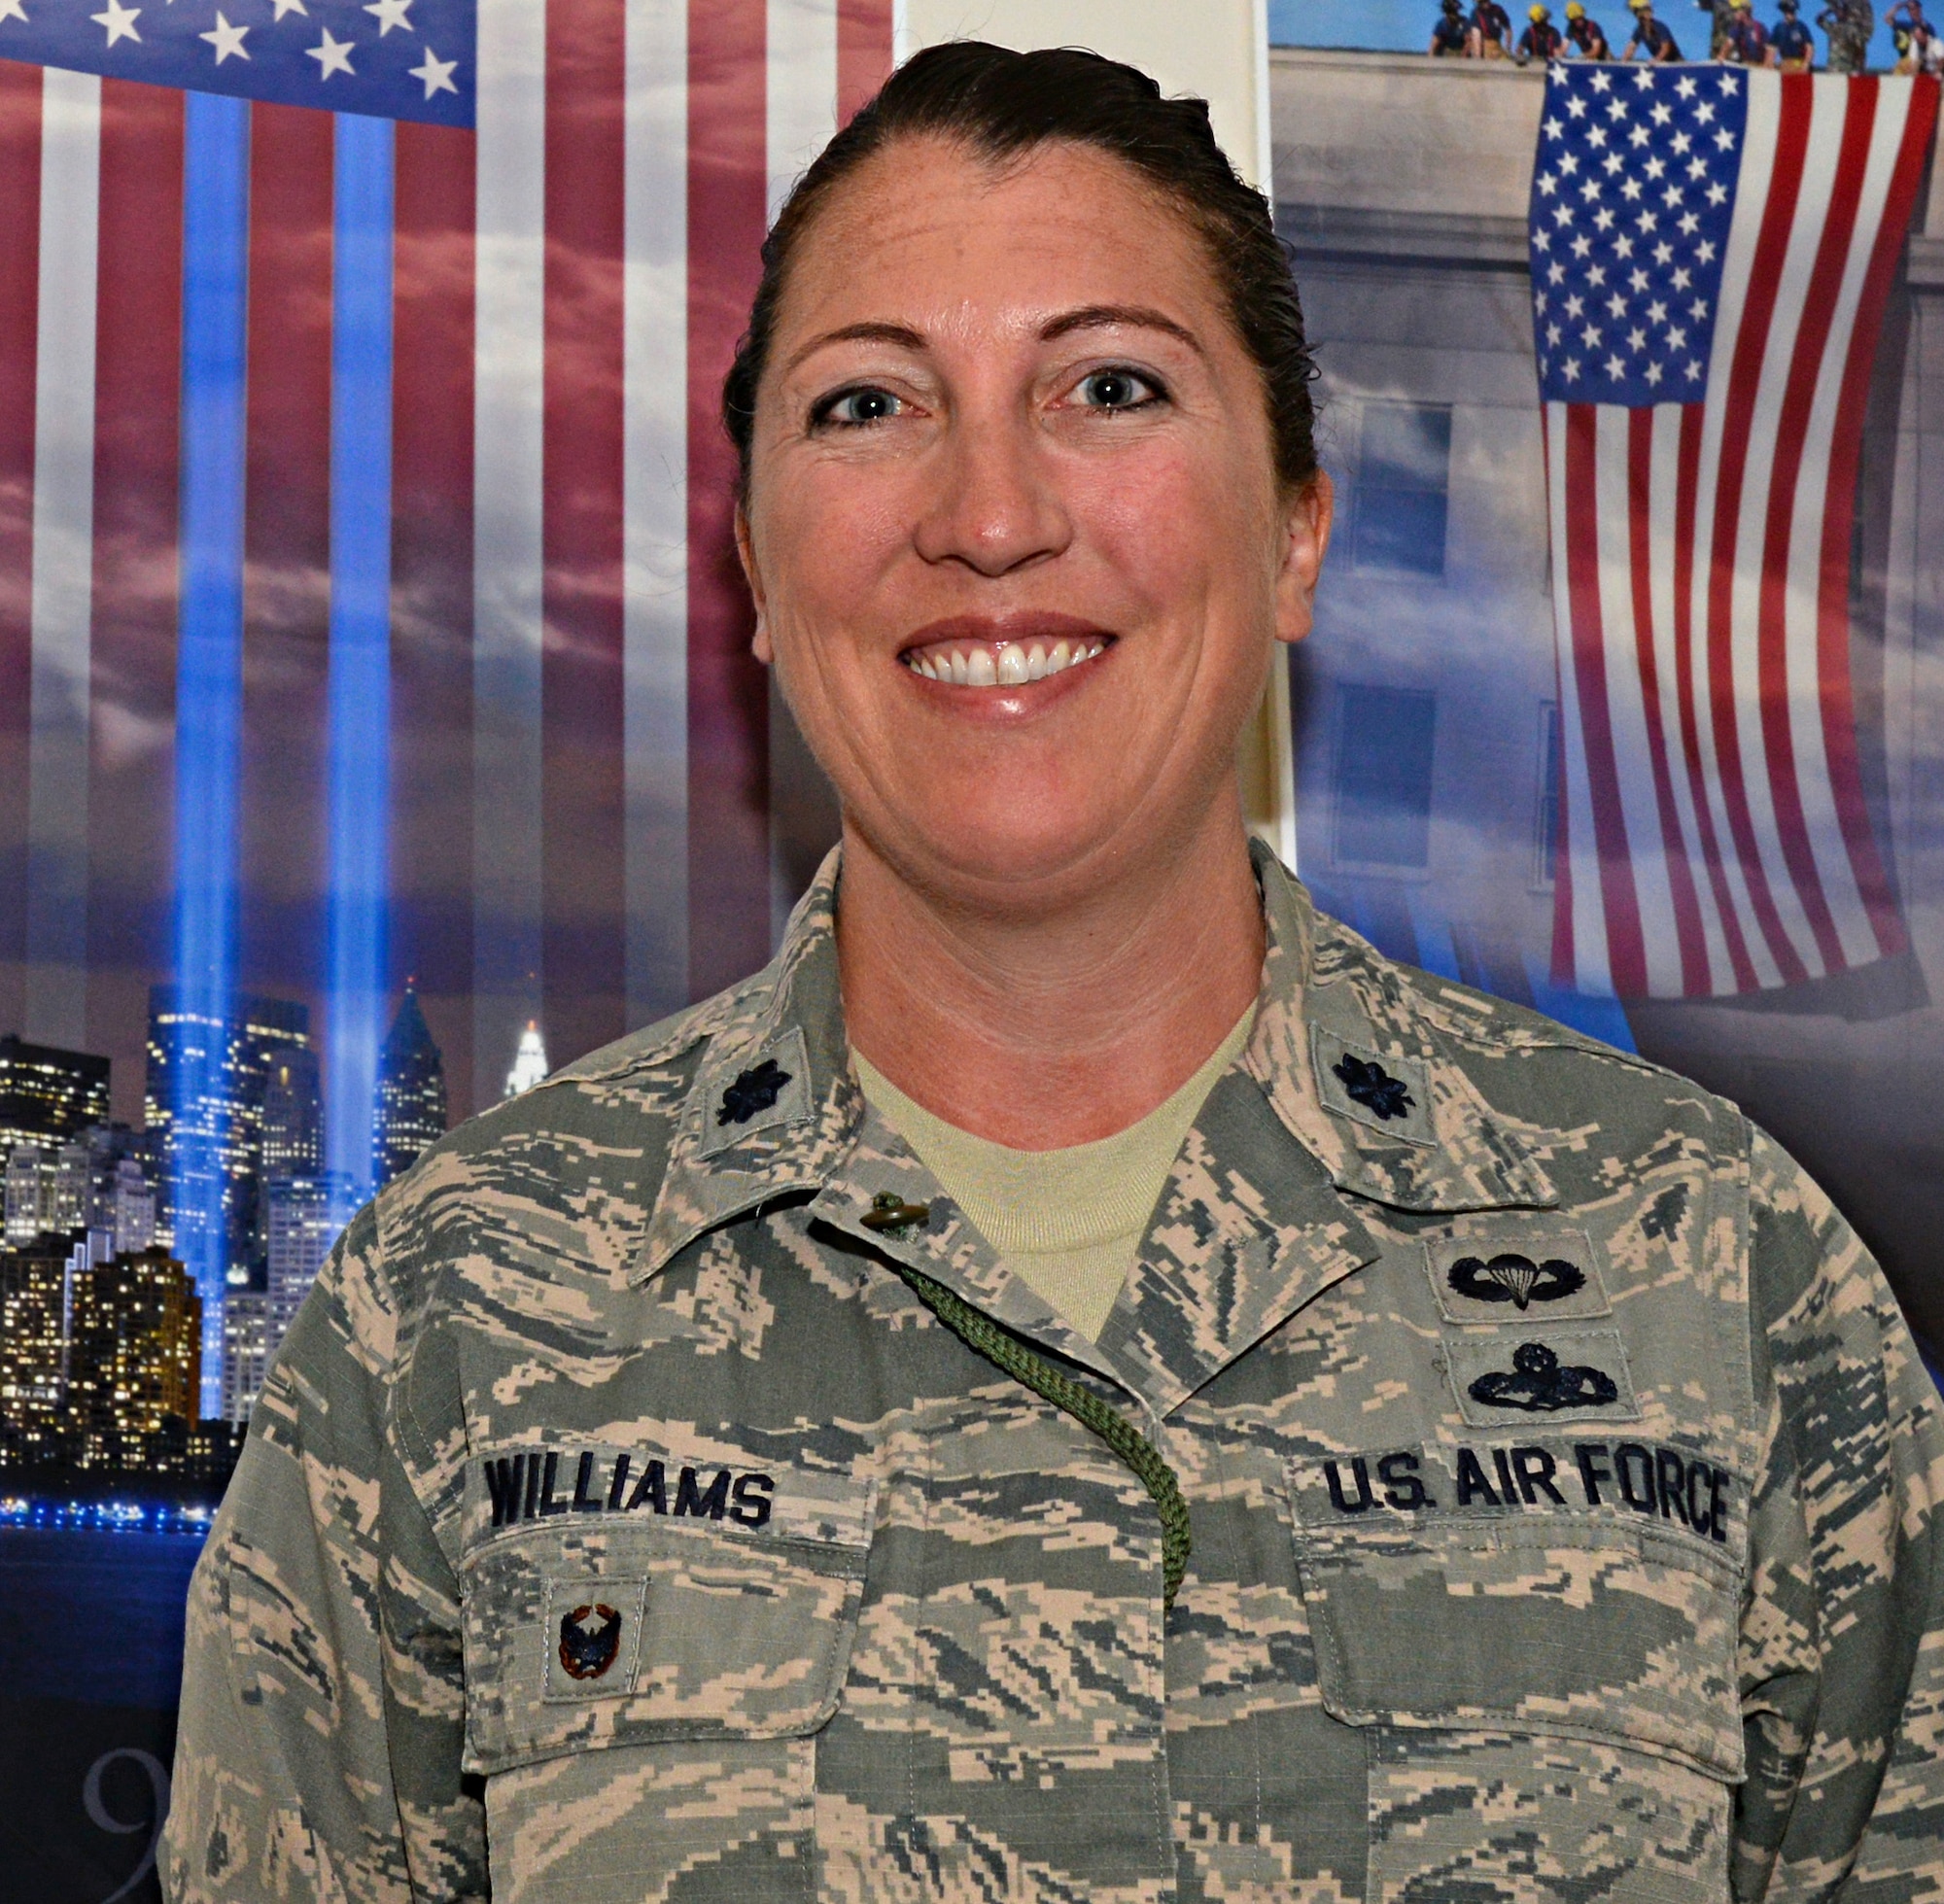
{"points": [[1007, 1352]]}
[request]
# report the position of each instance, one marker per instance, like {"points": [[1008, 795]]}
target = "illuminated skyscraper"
{"points": [[134, 1361], [292, 1114], [247, 1349], [127, 1212], [306, 1215], [47, 1094], [530, 1063], [409, 1113], [36, 1300], [207, 1083], [47, 1190], [30, 1185]]}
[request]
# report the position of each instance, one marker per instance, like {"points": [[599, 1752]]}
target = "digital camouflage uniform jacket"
{"points": [[618, 1525]]}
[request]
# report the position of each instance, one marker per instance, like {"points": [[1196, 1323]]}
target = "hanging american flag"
{"points": [[1712, 250], [367, 600], [273, 378]]}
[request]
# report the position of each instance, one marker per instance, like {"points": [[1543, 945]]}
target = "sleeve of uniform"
{"points": [[1842, 1655], [318, 1753]]}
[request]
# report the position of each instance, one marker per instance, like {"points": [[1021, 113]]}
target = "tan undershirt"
{"points": [[1069, 1222]]}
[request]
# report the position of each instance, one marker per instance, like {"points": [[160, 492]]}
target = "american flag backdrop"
{"points": [[368, 605], [1712, 250]]}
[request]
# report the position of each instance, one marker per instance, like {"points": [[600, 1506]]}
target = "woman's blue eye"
{"points": [[1115, 390], [852, 408]]}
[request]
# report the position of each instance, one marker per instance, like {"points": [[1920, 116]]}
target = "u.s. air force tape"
{"points": [[1500, 1478]]}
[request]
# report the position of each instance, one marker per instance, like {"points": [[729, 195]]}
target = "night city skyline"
{"points": [[148, 1275]]}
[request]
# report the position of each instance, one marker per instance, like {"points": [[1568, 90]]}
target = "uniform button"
{"points": [[889, 1215]]}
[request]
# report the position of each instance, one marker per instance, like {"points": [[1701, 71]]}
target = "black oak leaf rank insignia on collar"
{"points": [[751, 1091], [1365, 1082], [590, 1639], [1384, 1092]]}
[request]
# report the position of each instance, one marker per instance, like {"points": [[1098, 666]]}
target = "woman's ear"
{"points": [[1307, 520], [746, 552]]}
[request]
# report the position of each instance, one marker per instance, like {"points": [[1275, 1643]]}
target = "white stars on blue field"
{"points": [[1633, 191], [390, 58]]}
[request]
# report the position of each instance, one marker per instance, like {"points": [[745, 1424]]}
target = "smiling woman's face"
{"points": [[1013, 527]]}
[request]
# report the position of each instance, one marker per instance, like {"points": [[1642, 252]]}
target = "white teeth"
{"points": [[1013, 665]]}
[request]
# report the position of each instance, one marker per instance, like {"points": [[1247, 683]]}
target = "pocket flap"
{"points": [[631, 1627], [1594, 1625]]}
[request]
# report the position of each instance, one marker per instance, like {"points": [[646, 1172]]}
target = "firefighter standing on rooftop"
{"points": [[1745, 42], [1541, 40], [1652, 39], [1583, 31], [1491, 31], [1451, 35], [1792, 43]]}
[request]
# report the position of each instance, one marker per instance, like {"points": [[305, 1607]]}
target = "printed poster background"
{"points": [[584, 830]]}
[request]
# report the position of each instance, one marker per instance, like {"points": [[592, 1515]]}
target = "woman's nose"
{"points": [[996, 504]]}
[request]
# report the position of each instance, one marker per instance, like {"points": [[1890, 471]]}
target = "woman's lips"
{"points": [[988, 663]]}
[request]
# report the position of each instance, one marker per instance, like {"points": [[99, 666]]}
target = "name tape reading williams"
{"points": [[534, 1486]]}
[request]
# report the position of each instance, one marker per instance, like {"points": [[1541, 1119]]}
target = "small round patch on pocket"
{"points": [[590, 1639]]}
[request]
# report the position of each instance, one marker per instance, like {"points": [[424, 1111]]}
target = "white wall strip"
{"points": [[62, 586], [801, 96], [800, 115], [510, 353], [655, 508]]}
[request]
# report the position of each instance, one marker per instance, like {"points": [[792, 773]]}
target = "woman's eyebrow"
{"points": [[1100, 317], [869, 332]]}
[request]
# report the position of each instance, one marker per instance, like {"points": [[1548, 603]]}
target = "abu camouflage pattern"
{"points": [[619, 1525]]}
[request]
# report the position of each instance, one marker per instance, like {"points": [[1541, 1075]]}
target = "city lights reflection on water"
{"points": [[105, 1517]]}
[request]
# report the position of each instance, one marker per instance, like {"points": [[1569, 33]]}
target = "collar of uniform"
{"points": [[773, 1106], [1248, 1229], [1315, 972], [816, 1133], [1324, 991], [949, 1248]]}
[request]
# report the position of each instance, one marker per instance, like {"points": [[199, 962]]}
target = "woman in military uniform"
{"points": [[1081, 1380]]}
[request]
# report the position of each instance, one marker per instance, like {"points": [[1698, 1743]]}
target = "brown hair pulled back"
{"points": [[1000, 104]]}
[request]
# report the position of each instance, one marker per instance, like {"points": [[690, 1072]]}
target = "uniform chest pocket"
{"points": [[647, 1625], [1608, 1629]]}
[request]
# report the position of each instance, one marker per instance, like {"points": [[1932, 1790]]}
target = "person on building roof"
{"points": [[1745, 42], [1584, 33], [1491, 31], [1913, 36], [1541, 40], [1651, 38], [1451, 33], [1081, 1379], [1792, 43], [1848, 23]]}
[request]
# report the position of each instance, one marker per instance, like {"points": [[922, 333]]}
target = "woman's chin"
{"points": [[985, 852]]}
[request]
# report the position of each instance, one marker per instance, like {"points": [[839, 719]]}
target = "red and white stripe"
{"points": [[630, 155], [1716, 838]]}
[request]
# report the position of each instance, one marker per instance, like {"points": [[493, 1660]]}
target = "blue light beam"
{"points": [[360, 622], [209, 683]]}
